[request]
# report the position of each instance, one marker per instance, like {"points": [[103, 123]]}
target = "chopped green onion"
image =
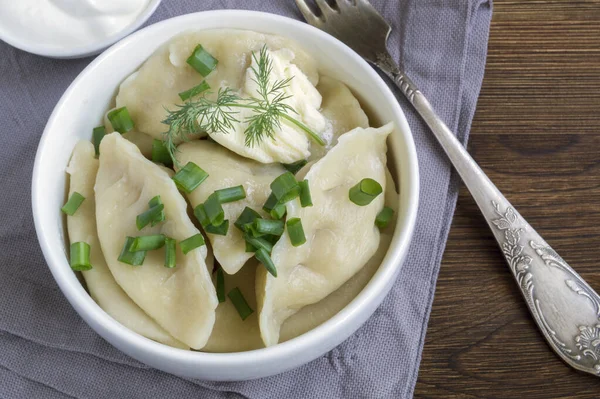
{"points": [[263, 257], [258, 243], [73, 203], [272, 239], [214, 210], [202, 61], [80, 256], [220, 285], [170, 252], [278, 212], [247, 216], [120, 120], [231, 194], [285, 188], [220, 230], [296, 232], [131, 258], [191, 243], [97, 135], [305, 198], [189, 177], [383, 218], [194, 91], [270, 203], [155, 201], [151, 215], [272, 227], [160, 153], [250, 247], [238, 300], [147, 243], [296, 166], [364, 192], [200, 214]]}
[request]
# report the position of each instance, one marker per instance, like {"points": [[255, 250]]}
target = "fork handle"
{"points": [[565, 307]]}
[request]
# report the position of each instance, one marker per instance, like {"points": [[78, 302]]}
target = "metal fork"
{"points": [[565, 307]]}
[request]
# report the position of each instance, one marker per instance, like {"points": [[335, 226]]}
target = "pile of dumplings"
{"points": [[179, 306]]}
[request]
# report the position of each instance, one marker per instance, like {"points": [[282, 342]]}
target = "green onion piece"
{"points": [[238, 300], [194, 91], [247, 216], [296, 166], [131, 258], [147, 243], [296, 232], [220, 285], [278, 212], [220, 230], [272, 239], [258, 242], [263, 257], [200, 214], [152, 214], [170, 252], [120, 120], [155, 201], [80, 256], [250, 247], [270, 203], [364, 192], [231, 194], [251, 229], [191, 243], [305, 198], [265, 226], [189, 177], [214, 210], [73, 203], [160, 153], [202, 61], [383, 218], [97, 135], [285, 188]]}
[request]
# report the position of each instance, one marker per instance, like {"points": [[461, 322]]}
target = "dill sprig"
{"points": [[218, 116]]}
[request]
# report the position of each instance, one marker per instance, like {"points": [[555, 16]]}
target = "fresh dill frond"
{"points": [[202, 115], [217, 116]]}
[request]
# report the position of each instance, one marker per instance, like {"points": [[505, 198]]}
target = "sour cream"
{"points": [[66, 24]]}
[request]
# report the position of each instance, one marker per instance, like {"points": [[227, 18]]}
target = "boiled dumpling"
{"points": [[340, 235], [343, 113], [182, 300], [99, 280], [154, 88], [316, 314], [231, 333], [226, 169], [289, 143]]}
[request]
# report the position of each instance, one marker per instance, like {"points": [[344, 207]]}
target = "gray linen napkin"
{"points": [[47, 351]]}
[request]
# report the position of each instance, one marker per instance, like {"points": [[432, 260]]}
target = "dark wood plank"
{"points": [[537, 134]]}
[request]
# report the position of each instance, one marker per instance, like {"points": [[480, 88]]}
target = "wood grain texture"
{"points": [[537, 134]]}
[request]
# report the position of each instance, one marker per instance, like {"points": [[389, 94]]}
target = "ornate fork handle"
{"points": [[564, 306]]}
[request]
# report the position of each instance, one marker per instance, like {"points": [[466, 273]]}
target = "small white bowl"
{"points": [[25, 44], [82, 107]]}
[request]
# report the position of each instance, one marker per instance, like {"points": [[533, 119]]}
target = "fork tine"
{"points": [[324, 6], [309, 16]]}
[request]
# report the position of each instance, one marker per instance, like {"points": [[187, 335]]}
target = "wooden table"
{"points": [[536, 133]]}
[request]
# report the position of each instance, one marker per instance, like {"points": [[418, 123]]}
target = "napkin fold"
{"points": [[47, 351]]}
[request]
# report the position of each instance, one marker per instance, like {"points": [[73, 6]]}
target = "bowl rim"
{"points": [[350, 318], [12, 39]]}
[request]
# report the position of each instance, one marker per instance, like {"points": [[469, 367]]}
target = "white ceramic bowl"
{"points": [[17, 40], [81, 108]]}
